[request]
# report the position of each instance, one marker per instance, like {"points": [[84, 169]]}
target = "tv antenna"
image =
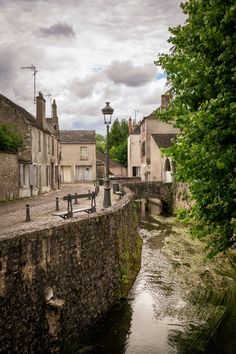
{"points": [[135, 115], [32, 67], [49, 96]]}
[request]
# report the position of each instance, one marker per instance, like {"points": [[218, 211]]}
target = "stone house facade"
{"points": [[78, 155], [9, 176], [144, 155], [39, 159]]}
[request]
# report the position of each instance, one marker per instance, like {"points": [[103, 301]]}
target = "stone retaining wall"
{"points": [[55, 283], [9, 176]]}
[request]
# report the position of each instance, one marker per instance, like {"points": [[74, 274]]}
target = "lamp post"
{"points": [[107, 113]]}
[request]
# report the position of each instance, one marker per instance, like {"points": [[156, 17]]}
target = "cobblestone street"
{"points": [[12, 214]]}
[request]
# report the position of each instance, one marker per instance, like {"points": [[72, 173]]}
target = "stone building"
{"points": [[78, 155], [39, 159], [144, 143], [115, 168]]}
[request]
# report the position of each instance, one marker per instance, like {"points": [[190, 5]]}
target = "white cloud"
{"points": [[129, 74], [85, 54]]}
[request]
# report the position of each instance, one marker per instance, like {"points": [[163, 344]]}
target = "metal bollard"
{"points": [[76, 201], [57, 204], [27, 217], [89, 197]]}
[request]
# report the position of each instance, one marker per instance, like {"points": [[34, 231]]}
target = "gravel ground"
{"points": [[13, 213]]}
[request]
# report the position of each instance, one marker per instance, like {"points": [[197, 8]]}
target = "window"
{"points": [[83, 153], [167, 165], [35, 175], [52, 147], [136, 171], [25, 174], [39, 142], [143, 148], [47, 175], [48, 144]]}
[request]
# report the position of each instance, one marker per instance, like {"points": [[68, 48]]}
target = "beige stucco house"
{"points": [[134, 156], [78, 155], [144, 155], [39, 159], [161, 167]]}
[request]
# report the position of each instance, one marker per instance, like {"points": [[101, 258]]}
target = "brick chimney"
{"points": [[55, 117], [165, 99], [54, 109], [41, 109]]}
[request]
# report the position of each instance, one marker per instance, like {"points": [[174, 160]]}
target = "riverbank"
{"points": [[208, 285]]}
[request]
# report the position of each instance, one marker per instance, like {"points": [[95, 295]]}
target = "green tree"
{"points": [[10, 140], [100, 143], [118, 141], [119, 153], [201, 74]]}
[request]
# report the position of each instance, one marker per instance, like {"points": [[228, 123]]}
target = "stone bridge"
{"points": [[154, 189]]}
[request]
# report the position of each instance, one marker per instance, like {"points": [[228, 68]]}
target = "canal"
{"points": [[176, 303]]}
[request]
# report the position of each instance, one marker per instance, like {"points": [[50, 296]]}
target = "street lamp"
{"points": [[107, 112]]}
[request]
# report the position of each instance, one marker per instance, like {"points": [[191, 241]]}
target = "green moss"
{"points": [[130, 261]]}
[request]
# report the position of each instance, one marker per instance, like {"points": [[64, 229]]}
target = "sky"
{"points": [[86, 53]]}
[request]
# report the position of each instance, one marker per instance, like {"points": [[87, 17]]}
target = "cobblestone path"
{"points": [[12, 214]]}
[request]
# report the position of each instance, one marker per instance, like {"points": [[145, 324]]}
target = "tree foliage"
{"points": [[201, 74], [10, 140], [118, 141], [100, 143]]}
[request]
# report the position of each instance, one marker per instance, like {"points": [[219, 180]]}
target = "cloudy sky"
{"points": [[86, 53]]}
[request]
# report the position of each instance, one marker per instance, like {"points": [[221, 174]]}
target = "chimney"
{"points": [[41, 109], [130, 125], [54, 117], [165, 99], [54, 109]]}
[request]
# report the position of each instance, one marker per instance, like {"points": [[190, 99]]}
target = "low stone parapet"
{"points": [[57, 281]]}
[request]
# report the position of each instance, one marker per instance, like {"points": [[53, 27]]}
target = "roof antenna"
{"points": [[32, 67], [49, 96], [135, 115]]}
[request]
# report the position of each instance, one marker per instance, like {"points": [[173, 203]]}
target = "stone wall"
{"points": [[9, 176], [55, 283]]}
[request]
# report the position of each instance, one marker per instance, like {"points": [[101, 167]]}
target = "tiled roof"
{"points": [[13, 109], [78, 136], [164, 140], [10, 109], [136, 130]]}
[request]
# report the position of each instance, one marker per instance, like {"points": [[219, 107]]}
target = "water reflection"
{"points": [[108, 336], [164, 313]]}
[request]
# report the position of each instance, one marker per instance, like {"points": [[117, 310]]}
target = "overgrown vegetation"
{"points": [[10, 140], [201, 73]]}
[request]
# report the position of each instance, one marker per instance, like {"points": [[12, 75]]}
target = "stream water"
{"points": [[158, 317]]}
